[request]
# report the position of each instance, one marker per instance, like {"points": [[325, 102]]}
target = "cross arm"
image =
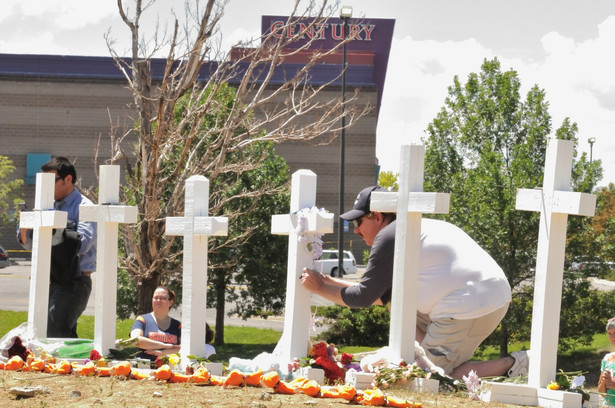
{"points": [[43, 218], [108, 213], [317, 223], [217, 226], [429, 203], [562, 202]]}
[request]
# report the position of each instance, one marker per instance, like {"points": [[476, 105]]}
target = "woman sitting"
{"points": [[158, 333]]}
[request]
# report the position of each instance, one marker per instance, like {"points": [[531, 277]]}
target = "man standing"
{"points": [[463, 293], [68, 297]]}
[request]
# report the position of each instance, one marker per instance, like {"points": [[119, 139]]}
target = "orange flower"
{"points": [[217, 380], [120, 369], [163, 373], [270, 379], [310, 388], [88, 369], [14, 363], [253, 379], [234, 379], [63, 367], [553, 385]]}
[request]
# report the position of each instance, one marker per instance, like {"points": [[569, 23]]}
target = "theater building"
{"points": [[54, 105]]}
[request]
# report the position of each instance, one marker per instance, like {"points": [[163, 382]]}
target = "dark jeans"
{"points": [[66, 303]]}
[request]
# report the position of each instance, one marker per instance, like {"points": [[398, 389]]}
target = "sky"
{"points": [[565, 47]]}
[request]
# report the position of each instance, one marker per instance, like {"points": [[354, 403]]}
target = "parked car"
{"points": [[328, 262], [600, 269], [4, 258]]}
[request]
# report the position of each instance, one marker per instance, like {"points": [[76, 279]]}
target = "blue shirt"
{"points": [[87, 230]]}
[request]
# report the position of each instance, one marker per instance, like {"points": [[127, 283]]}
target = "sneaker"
{"points": [[521, 365]]}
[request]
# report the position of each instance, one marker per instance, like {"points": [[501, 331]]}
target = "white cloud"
{"points": [[577, 77]]}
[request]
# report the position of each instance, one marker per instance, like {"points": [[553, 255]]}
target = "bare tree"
{"points": [[300, 114]]}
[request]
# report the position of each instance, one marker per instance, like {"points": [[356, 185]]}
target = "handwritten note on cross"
{"points": [[43, 219], [295, 337], [555, 202], [108, 214], [409, 204], [195, 226]]}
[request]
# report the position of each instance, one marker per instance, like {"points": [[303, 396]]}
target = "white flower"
{"points": [[473, 383], [312, 241], [577, 382]]}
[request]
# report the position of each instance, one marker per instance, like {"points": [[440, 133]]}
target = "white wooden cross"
{"points": [[409, 204], [555, 202], [43, 219], [195, 226], [296, 335], [108, 214]]}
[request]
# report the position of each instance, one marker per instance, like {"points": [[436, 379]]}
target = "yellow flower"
{"points": [[174, 359], [553, 386]]}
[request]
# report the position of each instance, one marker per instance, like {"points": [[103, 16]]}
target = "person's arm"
{"points": [[153, 347], [326, 286]]}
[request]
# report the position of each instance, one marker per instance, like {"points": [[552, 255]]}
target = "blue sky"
{"points": [[563, 46]]}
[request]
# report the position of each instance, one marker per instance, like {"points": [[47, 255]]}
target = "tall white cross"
{"points": [[43, 219], [296, 335], [555, 202], [195, 226], [410, 203], [108, 214]]}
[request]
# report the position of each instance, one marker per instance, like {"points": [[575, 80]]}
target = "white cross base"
{"points": [[108, 214], [195, 226], [555, 202], [296, 335], [43, 219], [409, 204]]}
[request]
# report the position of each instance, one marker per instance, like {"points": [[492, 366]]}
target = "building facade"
{"points": [[70, 105]]}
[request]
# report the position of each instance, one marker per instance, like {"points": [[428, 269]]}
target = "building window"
{"points": [[34, 161]]}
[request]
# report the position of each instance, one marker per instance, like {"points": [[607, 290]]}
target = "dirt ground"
{"points": [[74, 391]]}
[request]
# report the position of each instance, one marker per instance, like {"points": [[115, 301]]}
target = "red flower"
{"points": [[18, 349], [159, 362], [346, 358], [94, 355]]}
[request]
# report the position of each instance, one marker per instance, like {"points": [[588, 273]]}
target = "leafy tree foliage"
{"points": [[9, 190], [186, 125], [356, 327], [485, 143], [388, 180]]}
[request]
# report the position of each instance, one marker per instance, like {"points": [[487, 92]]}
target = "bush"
{"points": [[356, 327]]}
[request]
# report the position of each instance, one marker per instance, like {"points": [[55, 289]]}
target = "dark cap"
{"points": [[361, 204]]}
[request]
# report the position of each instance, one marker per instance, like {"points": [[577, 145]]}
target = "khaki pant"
{"points": [[449, 343]]}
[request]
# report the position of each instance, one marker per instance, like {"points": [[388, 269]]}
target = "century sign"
{"points": [[322, 31]]}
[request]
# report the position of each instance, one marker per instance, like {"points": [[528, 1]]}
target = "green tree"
{"points": [[9, 190], [388, 179], [484, 144]]}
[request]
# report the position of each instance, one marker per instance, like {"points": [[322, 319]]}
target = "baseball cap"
{"points": [[361, 204]]}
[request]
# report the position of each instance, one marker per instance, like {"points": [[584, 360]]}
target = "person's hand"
{"points": [[312, 280], [157, 353], [606, 379]]}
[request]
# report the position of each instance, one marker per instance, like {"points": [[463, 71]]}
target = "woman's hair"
{"points": [[610, 324], [170, 293], [209, 333]]}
